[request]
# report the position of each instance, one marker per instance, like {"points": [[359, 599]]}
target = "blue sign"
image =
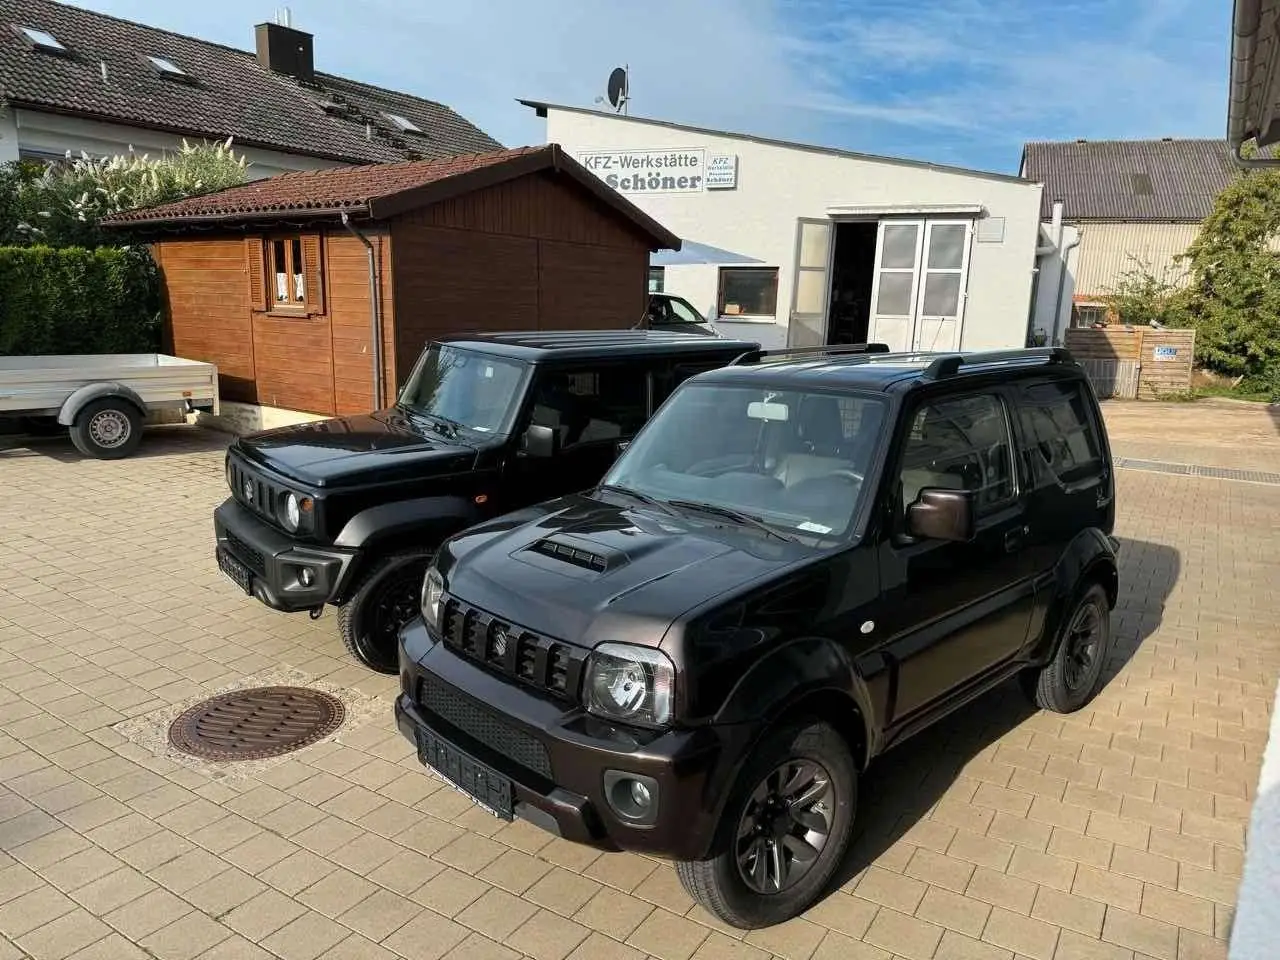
{"points": [[1166, 353]]}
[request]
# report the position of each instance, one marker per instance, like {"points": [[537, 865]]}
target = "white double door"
{"points": [[919, 288]]}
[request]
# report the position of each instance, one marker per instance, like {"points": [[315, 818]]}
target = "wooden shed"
{"points": [[278, 282]]}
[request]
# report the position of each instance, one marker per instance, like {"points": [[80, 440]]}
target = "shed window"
{"points": [[748, 291], [288, 274]]}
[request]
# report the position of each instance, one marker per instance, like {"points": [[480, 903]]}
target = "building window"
{"points": [[748, 291], [288, 274], [1088, 315], [657, 276]]}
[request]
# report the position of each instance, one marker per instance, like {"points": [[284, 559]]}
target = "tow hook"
{"points": [[315, 613]]}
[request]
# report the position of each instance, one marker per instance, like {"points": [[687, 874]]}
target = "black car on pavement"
{"points": [[348, 511], [799, 562]]}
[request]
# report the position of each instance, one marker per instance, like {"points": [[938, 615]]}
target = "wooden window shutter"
{"points": [[313, 269], [255, 263]]}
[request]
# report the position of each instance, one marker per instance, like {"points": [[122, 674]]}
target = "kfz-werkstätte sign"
{"points": [[635, 172]]}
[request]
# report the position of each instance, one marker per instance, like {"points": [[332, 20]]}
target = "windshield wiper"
{"points": [[441, 424], [637, 495], [729, 513]]}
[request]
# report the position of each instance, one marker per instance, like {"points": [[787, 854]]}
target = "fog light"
{"points": [[632, 796], [640, 795], [306, 576]]}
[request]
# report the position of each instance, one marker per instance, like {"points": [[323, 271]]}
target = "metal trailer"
{"points": [[103, 399]]}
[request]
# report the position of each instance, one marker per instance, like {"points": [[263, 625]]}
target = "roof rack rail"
{"points": [[755, 356], [950, 364]]}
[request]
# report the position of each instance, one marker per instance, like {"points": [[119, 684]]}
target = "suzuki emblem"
{"points": [[248, 490], [500, 643]]}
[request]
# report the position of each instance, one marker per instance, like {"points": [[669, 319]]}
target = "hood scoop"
{"points": [[573, 555]]}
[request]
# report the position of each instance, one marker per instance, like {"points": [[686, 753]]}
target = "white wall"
{"points": [[778, 184], [55, 134], [8, 135], [1110, 250], [1052, 271]]}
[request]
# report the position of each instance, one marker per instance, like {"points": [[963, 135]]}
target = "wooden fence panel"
{"points": [[1129, 362]]}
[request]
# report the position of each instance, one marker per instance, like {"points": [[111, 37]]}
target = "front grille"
{"points": [[250, 557], [483, 725], [254, 492], [540, 662]]}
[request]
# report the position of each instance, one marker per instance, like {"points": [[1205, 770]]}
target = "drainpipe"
{"points": [[1062, 280], [375, 312], [1055, 243]]}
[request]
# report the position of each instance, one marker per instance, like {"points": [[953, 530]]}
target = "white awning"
{"points": [[874, 211]]}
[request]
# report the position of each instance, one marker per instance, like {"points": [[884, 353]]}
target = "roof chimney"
{"points": [[282, 49]]}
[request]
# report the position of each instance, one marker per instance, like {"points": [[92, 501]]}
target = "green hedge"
{"points": [[75, 300]]}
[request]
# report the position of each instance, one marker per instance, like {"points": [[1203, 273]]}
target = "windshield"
{"points": [[668, 310], [464, 389], [793, 459]]}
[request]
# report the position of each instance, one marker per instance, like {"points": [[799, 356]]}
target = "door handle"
{"points": [[1013, 538]]}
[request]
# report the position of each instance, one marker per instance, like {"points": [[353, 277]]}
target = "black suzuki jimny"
{"points": [[799, 562], [347, 511]]}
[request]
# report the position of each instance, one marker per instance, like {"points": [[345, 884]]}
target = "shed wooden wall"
{"points": [[1129, 355], [317, 364], [536, 253]]}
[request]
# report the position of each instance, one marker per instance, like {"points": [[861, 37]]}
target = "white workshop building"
{"points": [[792, 244]]}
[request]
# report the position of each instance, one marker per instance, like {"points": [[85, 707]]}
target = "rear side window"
{"points": [[960, 443], [1060, 433], [591, 405]]}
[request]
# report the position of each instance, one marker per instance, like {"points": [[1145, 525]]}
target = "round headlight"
{"points": [[292, 511], [631, 684]]}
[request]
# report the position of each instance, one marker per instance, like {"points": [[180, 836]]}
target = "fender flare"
{"points": [[90, 392], [807, 670], [1088, 557]]}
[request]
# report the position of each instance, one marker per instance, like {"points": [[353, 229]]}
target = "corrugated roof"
{"points": [[381, 190], [226, 92], [1130, 180]]}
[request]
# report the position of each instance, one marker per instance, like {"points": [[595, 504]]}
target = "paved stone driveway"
{"points": [[1114, 834]]}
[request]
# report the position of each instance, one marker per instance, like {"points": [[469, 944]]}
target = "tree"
{"points": [[63, 205], [1233, 299]]}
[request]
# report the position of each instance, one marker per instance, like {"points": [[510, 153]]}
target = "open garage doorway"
{"points": [[853, 263]]}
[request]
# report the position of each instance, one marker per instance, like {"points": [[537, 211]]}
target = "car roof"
{"points": [[878, 370], [544, 345]]}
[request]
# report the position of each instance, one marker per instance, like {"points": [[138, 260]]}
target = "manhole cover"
{"points": [[256, 723]]}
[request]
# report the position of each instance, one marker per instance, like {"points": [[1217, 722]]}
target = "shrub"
{"points": [[73, 300]]}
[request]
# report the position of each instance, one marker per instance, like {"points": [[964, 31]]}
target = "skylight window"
{"points": [[403, 124], [42, 39], [166, 66]]}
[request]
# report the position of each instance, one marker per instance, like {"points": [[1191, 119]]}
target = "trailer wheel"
{"points": [[107, 429]]}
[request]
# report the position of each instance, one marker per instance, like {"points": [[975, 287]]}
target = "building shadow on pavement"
{"points": [[157, 441], [903, 785]]}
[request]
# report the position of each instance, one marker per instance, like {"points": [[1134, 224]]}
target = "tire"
{"points": [[1073, 677], [385, 599], [107, 429], [721, 886]]}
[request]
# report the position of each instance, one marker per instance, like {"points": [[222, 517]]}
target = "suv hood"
{"points": [[381, 446], [586, 570]]}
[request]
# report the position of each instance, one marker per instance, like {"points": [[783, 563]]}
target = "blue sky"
{"points": [[952, 81]]}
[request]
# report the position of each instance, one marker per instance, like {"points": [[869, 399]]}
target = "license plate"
{"points": [[235, 571], [481, 784]]}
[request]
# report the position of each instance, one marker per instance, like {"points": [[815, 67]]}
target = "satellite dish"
{"points": [[618, 89]]}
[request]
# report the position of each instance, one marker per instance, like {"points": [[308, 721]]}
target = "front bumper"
{"points": [[276, 563], [514, 730]]}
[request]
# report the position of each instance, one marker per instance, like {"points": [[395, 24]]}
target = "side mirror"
{"points": [[940, 514], [540, 441]]}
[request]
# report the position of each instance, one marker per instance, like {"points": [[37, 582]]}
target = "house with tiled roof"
{"points": [[75, 80], [1128, 204]]}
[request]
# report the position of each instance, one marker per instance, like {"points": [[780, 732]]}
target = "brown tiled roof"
{"points": [[381, 190], [1130, 180], [226, 92]]}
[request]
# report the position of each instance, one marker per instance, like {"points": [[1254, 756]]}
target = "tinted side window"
{"points": [[960, 443], [1059, 431], [593, 404], [666, 377]]}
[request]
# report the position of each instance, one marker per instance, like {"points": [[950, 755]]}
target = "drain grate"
{"points": [[256, 723], [1196, 470]]}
